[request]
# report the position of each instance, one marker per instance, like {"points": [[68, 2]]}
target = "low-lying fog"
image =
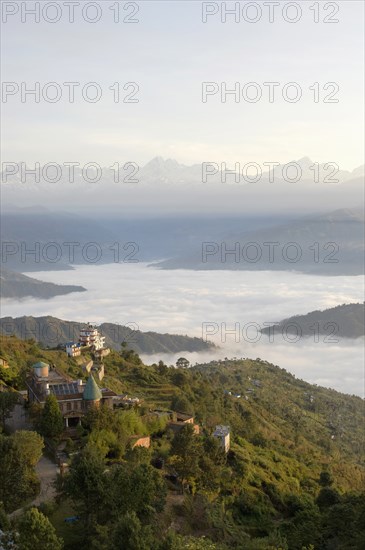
{"points": [[207, 302]]}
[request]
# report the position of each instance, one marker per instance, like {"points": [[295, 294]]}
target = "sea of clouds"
{"points": [[183, 302]]}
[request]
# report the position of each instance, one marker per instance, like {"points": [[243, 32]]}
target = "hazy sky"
{"points": [[169, 53]]}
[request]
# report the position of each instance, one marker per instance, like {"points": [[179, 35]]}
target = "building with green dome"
{"points": [[92, 393], [74, 397]]}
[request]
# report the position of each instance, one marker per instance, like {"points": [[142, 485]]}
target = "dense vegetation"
{"points": [[293, 478]]}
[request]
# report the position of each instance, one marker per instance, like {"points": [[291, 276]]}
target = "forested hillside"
{"points": [[346, 321], [293, 477], [52, 332]]}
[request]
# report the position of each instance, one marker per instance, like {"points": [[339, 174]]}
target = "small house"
{"points": [[180, 420], [72, 349], [223, 433]]}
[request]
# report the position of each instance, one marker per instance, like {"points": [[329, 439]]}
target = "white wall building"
{"points": [[72, 349], [90, 336], [223, 433]]}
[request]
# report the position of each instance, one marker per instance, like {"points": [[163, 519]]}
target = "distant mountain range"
{"points": [[169, 171], [346, 321], [16, 286], [165, 188], [153, 239], [51, 332], [178, 241], [330, 244]]}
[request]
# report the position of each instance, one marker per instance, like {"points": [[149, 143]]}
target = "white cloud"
{"points": [[181, 301]]}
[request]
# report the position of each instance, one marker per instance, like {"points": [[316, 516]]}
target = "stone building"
{"points": [[74, 396]]}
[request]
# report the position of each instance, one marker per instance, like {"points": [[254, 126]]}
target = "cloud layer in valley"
{"points": [[181, 301]]}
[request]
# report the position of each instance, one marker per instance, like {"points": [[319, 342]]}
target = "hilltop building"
{"points": [[90, 337], [90, 340], [223, 433], [74, 396]]}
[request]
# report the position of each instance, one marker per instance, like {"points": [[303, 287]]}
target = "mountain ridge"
{"points": [[345, 320], [51, 331], [171, 171], [17, 286], [327, 244]]}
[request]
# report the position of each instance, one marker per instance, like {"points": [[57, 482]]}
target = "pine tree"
{"points": [[36, 531]]}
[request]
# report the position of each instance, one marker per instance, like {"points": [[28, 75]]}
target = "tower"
{"points": [[92, 393]]}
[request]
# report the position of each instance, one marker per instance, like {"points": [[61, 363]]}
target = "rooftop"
{"points": [[221, 431], [66, 388], [92, 391], [40, 365]]}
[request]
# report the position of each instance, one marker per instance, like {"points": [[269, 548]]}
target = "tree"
{"points": [[17, 480], [186, 451], [162, 368], [179, 542], [214, 450], [182, 363], [325, 479], [8, 400], [130, 534], [98, 418], [180, 378], [211, 462], [107, 442], [36, 531], [327, 497], [304, 529], [182, 404], [30, 445], [140, 489], [86, 481], [51, 422], [129, 354], [138, 455], [102, 495], [343, 523]]}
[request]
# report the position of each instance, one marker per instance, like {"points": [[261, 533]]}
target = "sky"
{"points": [[169, 53]]}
